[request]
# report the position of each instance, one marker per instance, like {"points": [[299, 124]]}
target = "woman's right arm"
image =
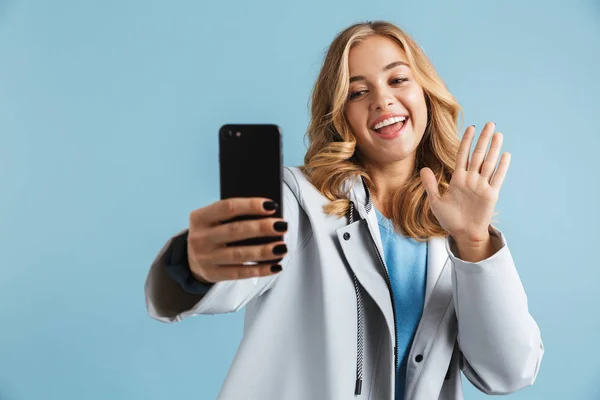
{"points": [[233, 285]]}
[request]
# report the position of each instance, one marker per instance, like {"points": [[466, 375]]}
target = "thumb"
{"points": [[430, 184]]}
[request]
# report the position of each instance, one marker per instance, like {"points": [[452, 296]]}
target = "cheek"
{"points": [[356, 117], [416, 101]]}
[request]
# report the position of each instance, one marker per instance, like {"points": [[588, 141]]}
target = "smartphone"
{"points": [[251, 165]]}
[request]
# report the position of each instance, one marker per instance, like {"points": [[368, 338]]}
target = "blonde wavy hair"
{"points": [[331, 159]]}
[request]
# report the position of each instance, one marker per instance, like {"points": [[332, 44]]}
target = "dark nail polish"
{"points": [[280, 249], [280, 226], [269, 205], [275, 268]]}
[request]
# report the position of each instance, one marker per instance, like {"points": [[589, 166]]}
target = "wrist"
{"points": [[200, 278], [181, 255], [474, 250], [472, 240]]}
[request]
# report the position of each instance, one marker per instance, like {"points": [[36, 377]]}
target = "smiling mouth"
{"points": [[390, 125]]}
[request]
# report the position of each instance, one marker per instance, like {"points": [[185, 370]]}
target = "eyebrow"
{"points": [[386, 68]]}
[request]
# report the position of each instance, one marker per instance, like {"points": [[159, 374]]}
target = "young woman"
{"points": [[393, 279]]}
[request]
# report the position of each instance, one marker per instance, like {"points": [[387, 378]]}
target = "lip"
{"points": [[384, 117], [394, 135]]}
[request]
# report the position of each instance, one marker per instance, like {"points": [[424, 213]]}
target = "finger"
{"points": [[430, 183], [224, 210], [240, 254], [462, 157], [240, 230], [500, 174], [481, 147], [492, 158], [232, 272]]}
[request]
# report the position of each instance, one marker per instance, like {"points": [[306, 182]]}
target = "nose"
{"points": [[382, 100]]}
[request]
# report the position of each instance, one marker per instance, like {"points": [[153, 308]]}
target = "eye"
{"points": [[356, 94], [397, 81]]}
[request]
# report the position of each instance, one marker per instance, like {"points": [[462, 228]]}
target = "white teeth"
{"points": [[389, 121]]}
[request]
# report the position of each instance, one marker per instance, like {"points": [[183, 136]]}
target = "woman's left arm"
{"points": [[499, 339]]}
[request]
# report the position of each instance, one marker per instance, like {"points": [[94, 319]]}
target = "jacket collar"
{"points": [[437, 254]]}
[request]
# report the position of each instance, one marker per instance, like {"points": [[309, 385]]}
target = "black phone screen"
{"points": [[250, 163]]}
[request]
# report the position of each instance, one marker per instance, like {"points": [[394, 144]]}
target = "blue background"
{"points": [[108, 119]]}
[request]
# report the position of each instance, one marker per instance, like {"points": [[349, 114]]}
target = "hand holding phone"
{"points": [[245, 226], [210, 257]]}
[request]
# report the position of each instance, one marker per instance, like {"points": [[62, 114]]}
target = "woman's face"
{"points": [[386, 108]]}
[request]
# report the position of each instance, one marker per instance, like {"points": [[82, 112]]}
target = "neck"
{"points": [[387, 179]]}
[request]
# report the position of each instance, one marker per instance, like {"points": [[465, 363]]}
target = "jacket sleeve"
{"points": [[166, 301], [500, 342]]}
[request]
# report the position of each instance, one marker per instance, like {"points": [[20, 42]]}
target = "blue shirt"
{"points": [[406, 260]]}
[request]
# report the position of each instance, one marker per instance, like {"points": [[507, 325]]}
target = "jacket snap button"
{"points": [[346, 236], [419, 358]]}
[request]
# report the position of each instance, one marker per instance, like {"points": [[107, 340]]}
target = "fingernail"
{"points": [[280, 249], [280, 226], [275, 268], [269, 205]]}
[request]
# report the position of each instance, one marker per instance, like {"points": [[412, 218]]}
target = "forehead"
{"points": [[374, 53]]}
